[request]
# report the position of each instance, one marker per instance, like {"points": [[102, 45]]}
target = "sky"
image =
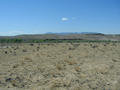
{"points": [[42, 16]]}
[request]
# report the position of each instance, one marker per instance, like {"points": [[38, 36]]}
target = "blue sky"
{"points": [[41, 16]]}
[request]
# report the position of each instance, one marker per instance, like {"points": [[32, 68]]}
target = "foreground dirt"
{"points": [[64, 66]]}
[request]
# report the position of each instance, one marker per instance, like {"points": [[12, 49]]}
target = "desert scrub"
{"points": [[24, 50], [70, 62], [26, 60], [77, 68], [59, 67], [37, 54], [15, 82]]}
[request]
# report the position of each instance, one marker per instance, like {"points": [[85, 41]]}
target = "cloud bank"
{"points": [[64, 19]]}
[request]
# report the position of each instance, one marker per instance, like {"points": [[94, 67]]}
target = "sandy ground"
{"points": [[63, 66]]}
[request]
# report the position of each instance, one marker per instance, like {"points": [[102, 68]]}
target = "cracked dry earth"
{"points": [[60, 66]]}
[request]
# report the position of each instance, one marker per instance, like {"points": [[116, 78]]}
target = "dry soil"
{"points": [[60, 66]]}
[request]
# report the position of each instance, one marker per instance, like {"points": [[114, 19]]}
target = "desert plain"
{"points": [[60, 66]]}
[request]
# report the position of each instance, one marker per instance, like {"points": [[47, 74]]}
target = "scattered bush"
{"points": [[6, 52], [18, 40], [24, 50]]}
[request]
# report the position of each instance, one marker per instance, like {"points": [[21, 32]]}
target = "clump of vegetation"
{"points": [[18, 40], [31, 44], [70, 62], [24, 50], [38, 48], [11, 40], [59, 66], [6, 52], [27, 59], [77, 68]]}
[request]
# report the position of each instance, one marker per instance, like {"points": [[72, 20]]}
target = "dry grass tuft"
{"points": [[59, 67], [37, 54], [78, 69], [70, 62], [28, 59]]}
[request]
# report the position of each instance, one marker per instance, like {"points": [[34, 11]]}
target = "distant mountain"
{"points": [[68, 33], [63, 33]]}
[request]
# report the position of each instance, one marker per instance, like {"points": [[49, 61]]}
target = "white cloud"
{"points": [[15, 32], [64, 19], [11, 33]]}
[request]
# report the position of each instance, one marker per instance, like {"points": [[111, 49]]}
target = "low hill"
{"points": [[111, 37]]}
